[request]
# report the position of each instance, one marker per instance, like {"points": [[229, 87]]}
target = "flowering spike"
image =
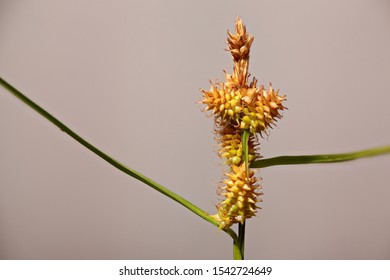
{"points": [[239, 105]]}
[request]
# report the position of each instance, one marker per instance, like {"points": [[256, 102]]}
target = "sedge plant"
{"points": [[243, 112]]}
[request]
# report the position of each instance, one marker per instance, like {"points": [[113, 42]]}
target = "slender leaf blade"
{"points": [[325, 158]]}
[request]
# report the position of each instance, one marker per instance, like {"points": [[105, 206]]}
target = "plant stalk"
{"points": [[241, 226], [241, 238]]}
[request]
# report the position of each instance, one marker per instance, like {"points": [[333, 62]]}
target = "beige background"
{"points": [[126, 76]]}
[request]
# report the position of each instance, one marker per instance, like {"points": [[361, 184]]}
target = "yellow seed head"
{"points": [[238, 105]]}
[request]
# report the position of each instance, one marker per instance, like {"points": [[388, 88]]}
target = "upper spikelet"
{"points": [[239, 44], [249, 106]]}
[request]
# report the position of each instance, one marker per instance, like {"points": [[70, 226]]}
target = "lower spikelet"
{"points": [[240, 196]]}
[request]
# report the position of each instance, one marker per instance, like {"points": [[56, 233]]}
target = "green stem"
{"points": [[195, 209], [237, 253], [330, 158], [245, 139], [239, 244], [241, 227], [241, 238]]}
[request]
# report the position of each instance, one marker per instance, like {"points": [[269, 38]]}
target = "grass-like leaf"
{"points": [[330, 158], [122, 167]]}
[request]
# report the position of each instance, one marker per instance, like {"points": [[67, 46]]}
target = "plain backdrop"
{"points": [[126, 76]]}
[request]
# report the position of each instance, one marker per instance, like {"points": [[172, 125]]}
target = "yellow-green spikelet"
{"points": [[230, 142], [239, 188], [240, 196]]}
